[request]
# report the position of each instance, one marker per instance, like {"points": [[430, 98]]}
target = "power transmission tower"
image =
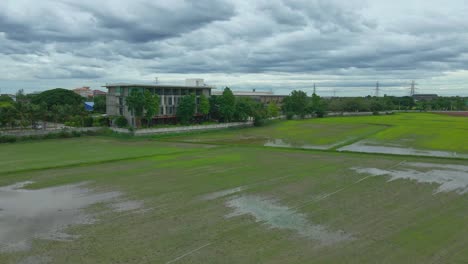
{"points": [[314, 89], [413, 88], [377, 89]]}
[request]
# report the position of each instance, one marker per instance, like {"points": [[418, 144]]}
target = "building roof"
{"points": [[81, 89], [98, 92], [248, 93], [154, 86]]}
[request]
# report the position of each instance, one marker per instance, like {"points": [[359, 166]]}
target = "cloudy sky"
{"points": [[344, 46]]}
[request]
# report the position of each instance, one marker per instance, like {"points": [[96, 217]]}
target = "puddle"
{"points": [[127, 206], [278, 216], [281, 143], [449, 177], [46, 213], [362, 146], [216, 195]]}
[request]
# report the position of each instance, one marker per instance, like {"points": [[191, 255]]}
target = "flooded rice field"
{"points": [[449, 177], [270, 213], [366, 147], [46, 213]]}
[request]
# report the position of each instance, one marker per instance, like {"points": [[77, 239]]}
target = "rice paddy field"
{"points": [[231, 197]]}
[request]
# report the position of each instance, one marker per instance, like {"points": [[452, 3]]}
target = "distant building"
{"points": [[263, 97], [424, 97], [99, 93], [169, 95], [84, 91]]}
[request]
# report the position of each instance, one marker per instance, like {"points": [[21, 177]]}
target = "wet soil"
{"points": [[46, 213], [363, 146], [270, 213], [449, 177]]}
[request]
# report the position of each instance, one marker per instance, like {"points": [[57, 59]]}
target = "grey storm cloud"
{"points": [[350, 43]]}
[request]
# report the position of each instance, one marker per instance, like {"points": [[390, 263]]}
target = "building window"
{"points": [[170, 101], [121, 110], [120, 101]]}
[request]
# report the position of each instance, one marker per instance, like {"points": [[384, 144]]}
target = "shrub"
{"points": [[289, 115], [7, 139], [121, 121], [88, 121], [101, 121]]}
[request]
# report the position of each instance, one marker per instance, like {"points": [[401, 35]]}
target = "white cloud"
{"points": [[279, 44]]}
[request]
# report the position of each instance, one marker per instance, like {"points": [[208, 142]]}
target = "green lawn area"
{"points": [[400, 221]]}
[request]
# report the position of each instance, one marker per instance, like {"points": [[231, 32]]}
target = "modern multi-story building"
{"points": [[262, 97], [169, 95]]}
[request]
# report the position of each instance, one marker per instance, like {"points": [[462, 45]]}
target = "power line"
{"points": [[413, 88], [377, 89]]}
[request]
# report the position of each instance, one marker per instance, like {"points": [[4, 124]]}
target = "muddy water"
{"points": [[45, 213], [449, 177], [362, 146], [278, 216]]}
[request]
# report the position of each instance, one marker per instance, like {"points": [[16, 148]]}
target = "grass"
{"points": [[64, 152], [297, 132], [400, 221], [424, 131]]}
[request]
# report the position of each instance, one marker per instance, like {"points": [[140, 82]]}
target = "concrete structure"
{"points": [[424, 97], [170, 96], [84, 91], [263, 97]]}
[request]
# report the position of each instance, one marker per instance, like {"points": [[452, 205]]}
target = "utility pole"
{"points": [[413, 88], [377, 89]]}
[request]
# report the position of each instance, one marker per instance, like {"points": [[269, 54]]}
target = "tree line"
{"points": [[55, 105], [144, 105]]}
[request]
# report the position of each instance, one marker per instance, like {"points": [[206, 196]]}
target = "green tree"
{"points": [[186, 109], [296, 103], [227, 105], [58, 96], [8, 115], [100, 104], [6, 98], [135, 104], [259, 113], [151, 106], [273, 109], [204, 107], [215, 105], [243, 109]]}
